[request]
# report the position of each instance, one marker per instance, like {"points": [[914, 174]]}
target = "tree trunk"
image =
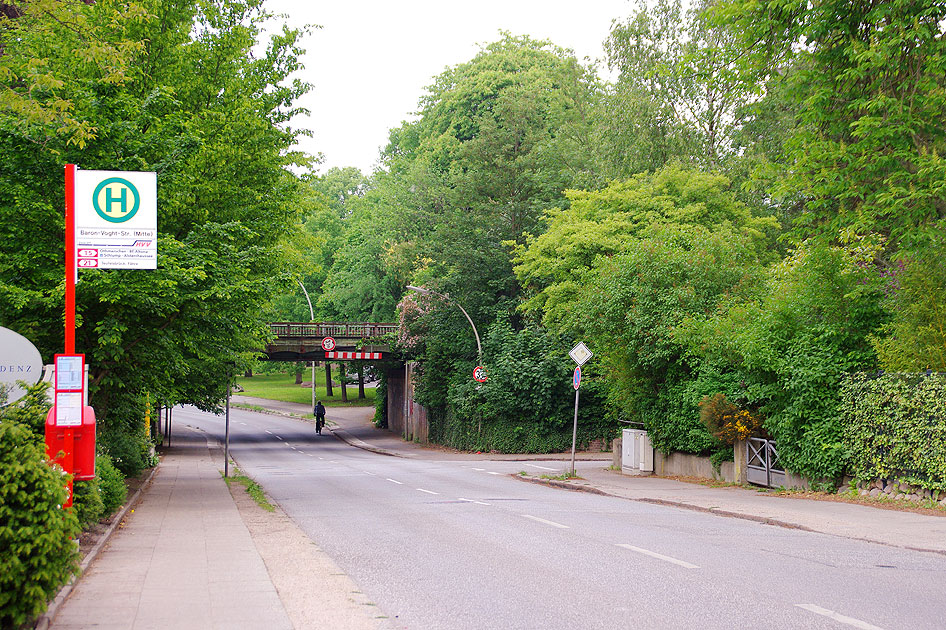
{"points": [[361, 380], [248, 373], [299, 368], [342, 379], [328, 379]]}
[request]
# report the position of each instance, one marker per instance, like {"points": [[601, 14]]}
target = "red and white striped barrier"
{"points": [[352, 355]]}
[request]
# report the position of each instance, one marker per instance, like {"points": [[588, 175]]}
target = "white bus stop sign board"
{"points": [[116, 220]]}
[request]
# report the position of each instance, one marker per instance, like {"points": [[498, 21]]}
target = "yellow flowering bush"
{"points": [[728, 422]]}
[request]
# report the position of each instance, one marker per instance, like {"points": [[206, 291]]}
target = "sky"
{"points": [[372, 59]]}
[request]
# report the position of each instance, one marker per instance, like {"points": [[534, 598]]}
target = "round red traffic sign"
{"points": [[479, 374], [328, 344], [576, 378]]}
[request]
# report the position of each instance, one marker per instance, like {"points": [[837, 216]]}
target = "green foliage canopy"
{"points": [[209, 112]]}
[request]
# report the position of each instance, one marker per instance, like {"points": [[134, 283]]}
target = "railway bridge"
{"points": [[296, 341]]}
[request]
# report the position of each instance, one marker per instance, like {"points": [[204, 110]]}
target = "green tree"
{"points": [[915, 338], [210, 112], [630, 306], [599, 224], [44, 46], [679, 88], [867, 155]]}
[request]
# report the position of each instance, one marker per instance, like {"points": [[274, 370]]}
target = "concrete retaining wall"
{"points": [[685, 465]]}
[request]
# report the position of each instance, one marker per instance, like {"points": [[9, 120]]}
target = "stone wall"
{"points": [[892, 489]]}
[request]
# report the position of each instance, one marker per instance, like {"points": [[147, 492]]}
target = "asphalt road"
{"points": [[462, 545]]}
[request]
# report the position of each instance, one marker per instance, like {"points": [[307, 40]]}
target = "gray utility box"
{"points": [[637, 454]]}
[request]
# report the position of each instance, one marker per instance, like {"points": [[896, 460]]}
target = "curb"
{"points": [[269, 412], [575, 487], [565, 485], [347, 438], [53, 608]]}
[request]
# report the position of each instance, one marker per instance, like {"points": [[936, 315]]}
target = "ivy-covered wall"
{"points": [[895, 427]]}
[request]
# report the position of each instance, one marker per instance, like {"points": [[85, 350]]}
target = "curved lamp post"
{"points": [[479, 350], [311, 320]]}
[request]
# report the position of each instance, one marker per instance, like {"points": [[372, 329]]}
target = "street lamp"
{"points": [[479, 350], [311, 321]]}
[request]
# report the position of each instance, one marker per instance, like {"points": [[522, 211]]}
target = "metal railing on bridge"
{"points": [[342, 330]]}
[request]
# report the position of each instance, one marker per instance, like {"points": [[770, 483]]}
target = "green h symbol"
{"points": [[106, 196], [122, 199]]}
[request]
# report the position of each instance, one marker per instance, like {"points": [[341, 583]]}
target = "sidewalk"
{"points": [[184, 559], [188, 557], [862, 522]]}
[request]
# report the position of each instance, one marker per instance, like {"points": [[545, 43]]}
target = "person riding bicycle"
{"points": [[319, 413]]}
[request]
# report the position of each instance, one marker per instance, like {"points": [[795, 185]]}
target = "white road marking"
{"points": [[268, 431], [427, 491], [494, 473], [479, 469], [472, 501], [368, 472], [830, 614], [243, 423], [540, 467], [279, 437], [660, 556], [394, 481], [545, 522]]}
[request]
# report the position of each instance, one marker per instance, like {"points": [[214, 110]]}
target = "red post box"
{"points": [[83, 444]]}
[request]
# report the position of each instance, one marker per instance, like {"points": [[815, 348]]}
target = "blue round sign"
{"points": [[576, 378]]}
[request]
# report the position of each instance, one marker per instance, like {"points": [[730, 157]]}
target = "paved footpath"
{"points": [[190, 555], [184, 559]]}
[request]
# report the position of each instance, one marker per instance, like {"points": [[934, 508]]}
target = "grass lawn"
{"points": [[283, 387]]}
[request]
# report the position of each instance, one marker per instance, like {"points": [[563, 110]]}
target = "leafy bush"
{"points": [[97, 498], [789, 349], [895, 428], [87, 502], [111, 484], [129, 452], [527, 403], [38, 553], [30, 410], [631, 308]]}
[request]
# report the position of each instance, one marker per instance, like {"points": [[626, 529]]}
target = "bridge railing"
{"points": [[343, 330]]}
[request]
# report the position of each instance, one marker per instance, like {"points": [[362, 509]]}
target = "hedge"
{"points": [[895, 427], [37, 551]]}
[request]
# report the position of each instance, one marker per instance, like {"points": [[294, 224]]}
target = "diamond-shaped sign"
{"points": [[580, 353]]}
